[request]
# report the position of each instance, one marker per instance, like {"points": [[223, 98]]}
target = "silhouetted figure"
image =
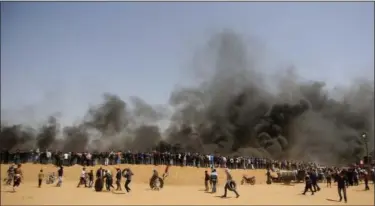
{"points": [[308, 185], [341, 186]]}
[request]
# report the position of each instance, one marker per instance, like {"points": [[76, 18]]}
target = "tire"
{"points": [[232, 186]]}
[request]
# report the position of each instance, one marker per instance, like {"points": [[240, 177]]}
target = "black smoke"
{"points": [[231, 110]]}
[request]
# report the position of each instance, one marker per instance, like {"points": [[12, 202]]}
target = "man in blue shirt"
{"points": [[213, 178]]}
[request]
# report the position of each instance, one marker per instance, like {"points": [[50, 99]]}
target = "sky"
{"points": [[61, 57]]}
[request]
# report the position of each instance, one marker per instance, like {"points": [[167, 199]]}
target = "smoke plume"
{"points": [[232, 110]]}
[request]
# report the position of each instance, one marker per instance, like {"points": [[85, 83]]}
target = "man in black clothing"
{"points": [[99, 173], [99, 182], [341, 186], [314, 180], [118, 179], [308, 185], [349, 177]]}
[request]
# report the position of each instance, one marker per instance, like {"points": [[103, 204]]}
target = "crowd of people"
{"points": [[153, 158], [343, 177]]}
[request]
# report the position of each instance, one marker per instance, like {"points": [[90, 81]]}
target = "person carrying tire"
{"points": [[230, 184]]}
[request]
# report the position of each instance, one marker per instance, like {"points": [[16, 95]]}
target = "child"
{"points": [[40, 178]]}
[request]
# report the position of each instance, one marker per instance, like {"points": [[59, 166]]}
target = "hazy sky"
{"points": [[63, 56]]}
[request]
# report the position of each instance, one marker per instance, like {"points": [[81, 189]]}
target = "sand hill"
{"points": [[183, 186]]}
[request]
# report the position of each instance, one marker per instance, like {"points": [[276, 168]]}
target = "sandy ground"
{"points": [[183, 186]]}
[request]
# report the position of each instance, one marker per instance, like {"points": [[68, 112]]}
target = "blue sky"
{"points": [[63, 56]]}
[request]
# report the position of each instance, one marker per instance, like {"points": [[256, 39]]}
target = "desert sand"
{"points": [[183, 186]]}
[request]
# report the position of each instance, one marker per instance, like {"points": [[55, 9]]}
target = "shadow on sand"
{"points": [[118, 193], [8, 191], [361, 190], [286, 184], [332, 200], [219, 196]]}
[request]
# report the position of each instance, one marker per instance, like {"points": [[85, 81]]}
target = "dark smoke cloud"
{"points": [[231, 111], [48, 133]]}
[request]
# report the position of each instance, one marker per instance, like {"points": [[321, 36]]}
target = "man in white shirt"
{"points": [[66, 157], [82, 178], [49, 155], [224, 159], [88, 157]]}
